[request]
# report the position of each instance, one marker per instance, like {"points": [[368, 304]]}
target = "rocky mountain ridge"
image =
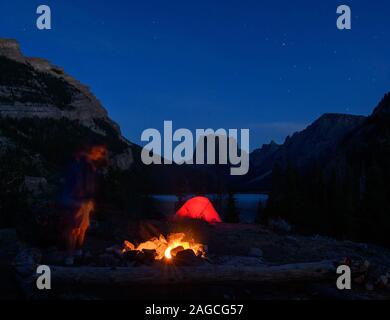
{"points": [[345, 191], [315, 143], [33, 88]]}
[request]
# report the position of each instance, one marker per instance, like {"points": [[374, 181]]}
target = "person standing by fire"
{"points": [[78, 198]]}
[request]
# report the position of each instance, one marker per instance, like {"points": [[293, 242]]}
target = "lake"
{"points": [[246, 204]]}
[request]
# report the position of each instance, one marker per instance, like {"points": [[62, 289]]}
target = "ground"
{"points": [[227, 243]]}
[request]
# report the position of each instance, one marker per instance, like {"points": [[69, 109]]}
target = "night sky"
{"points": [[271, 66]]}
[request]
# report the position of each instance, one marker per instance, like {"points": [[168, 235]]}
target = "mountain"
{"points": [[346, 191], [315, 143], [383, 107], [46, 118], [196, 178], [34, 91]]}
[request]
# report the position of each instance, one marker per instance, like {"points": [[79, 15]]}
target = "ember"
{"points": [[167, 247]]}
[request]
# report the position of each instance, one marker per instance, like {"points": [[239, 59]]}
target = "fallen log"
{"points": [[163, 275]]}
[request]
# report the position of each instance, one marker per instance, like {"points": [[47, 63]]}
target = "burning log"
{"points": [[206, 274], [187, 258], [164, 248], [146, 256]]}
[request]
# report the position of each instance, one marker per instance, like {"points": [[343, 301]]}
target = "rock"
{"points": [[187, 258], [130, 255], [108, 260], [256, 253], [35, 185], [140, 257], [11, 49], [280, 225], [176, 250], [369, 286], [382, 282], [123, 160], [147, 256]]}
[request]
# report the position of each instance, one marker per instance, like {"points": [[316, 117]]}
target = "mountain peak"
{"points": [[334, 122], [317, 141], [383, 106], [31, 87], [337, 117], [10, 48]]}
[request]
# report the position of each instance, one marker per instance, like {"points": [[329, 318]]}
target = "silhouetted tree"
{"points": [[260, 213], [231, 215], [12, 196]]}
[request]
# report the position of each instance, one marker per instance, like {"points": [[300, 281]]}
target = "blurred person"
{"points": [[78, 198]]}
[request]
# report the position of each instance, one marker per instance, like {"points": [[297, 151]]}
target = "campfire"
{"points": [[167, 248]]}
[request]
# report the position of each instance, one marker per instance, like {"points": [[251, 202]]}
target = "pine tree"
{"points": [[260, 218], [231, 215]]}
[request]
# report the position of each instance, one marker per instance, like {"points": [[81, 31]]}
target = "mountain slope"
{"points": [[347, 194], [315, 143], [47, 118], [32, 88]]}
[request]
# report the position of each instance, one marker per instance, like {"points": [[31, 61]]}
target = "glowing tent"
{"points": [[199, 208]]}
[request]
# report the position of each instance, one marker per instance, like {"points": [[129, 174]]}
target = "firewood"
{"points": [[165, 274]]}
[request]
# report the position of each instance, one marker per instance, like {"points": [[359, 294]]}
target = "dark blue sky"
{"points": [[271, 66]]}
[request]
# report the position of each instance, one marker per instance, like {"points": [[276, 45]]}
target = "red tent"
{"points": [[199, 208]]}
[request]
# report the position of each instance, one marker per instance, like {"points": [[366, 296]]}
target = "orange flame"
{"points": [[82, 220], [167, 247], [97, 153]]}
